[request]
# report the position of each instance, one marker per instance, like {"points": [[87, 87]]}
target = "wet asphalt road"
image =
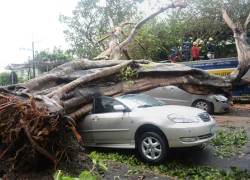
{"points": [[206, 157]]}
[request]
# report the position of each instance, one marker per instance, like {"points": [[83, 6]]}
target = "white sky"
{"points": [[22, 19]]}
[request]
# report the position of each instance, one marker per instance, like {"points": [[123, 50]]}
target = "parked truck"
{"points": [[223, 67]]}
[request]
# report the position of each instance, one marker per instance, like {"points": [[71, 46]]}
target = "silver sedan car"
{"points": [[211, 103], [138, 121]]}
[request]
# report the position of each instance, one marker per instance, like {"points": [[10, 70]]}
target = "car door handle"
{"points": [[95, 118]]}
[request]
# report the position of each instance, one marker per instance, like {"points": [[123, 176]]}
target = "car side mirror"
{"points": [[118, 108]]}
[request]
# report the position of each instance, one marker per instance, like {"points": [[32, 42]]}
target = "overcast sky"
{"points": [[22, 19]]}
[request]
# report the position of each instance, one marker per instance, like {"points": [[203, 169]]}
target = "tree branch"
{"points": [[102, 73], [247, 21], [116, 53], [228, 20], [113, 42]]}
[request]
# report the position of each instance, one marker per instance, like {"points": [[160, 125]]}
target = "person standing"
{"points": [[195, 51], [202, 50], [211, 48], [173, 53], [186, 51]]}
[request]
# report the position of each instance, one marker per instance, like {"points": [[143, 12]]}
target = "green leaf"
{"points": [[58, 175], [233, 168], [69, 178], [103, 166], [86, 175], [93, 156]]}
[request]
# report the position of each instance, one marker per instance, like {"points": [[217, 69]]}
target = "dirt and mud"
{"points": [[239, 115]]}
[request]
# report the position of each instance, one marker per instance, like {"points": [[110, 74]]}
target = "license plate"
{"points": [[213, 129]]}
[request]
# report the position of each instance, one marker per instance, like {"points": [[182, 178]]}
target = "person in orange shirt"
{"points": [[195, 52]]}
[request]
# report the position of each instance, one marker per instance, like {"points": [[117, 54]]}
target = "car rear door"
{"points": [[162, 93], [178, 96], [110, 127], [171, 95]]}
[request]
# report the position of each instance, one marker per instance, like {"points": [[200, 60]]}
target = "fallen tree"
{"points": [[37, 118]]}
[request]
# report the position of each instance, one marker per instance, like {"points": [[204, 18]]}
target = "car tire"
{"points": [[152, 148], [204, 105]]}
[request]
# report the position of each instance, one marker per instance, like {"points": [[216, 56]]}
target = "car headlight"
{"points": [[178, 118], [220, 98]]}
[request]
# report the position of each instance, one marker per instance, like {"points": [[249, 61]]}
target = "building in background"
{"points": [[24, 72]]}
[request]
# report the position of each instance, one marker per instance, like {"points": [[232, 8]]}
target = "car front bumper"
{"points": [[190, 134], [221, 107]]}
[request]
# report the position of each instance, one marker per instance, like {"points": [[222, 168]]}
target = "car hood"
{"points": [[169, 109]]}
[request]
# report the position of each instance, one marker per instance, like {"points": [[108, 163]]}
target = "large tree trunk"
{"points": [[242, 46], [37, 118]]}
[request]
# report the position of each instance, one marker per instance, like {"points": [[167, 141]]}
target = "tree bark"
{"points": [[242, 46]]}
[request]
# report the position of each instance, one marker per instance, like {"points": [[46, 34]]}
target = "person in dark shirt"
{"points": [[211, 48], [173, 53], [186, 52], [202, 50]]}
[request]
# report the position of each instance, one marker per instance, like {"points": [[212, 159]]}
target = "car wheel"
{"points": [[152, 148], [204, 105]]}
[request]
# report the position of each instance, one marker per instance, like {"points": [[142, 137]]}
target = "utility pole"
{"points": [[12, 78], [33, 56]]}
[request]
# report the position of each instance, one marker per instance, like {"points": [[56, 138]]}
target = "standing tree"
{"points": [[202, 19], [46, 60], [91, 19], [38, 117], [4, 78]]}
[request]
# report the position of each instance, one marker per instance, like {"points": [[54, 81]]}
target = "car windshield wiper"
{"points": [[145, 105]]}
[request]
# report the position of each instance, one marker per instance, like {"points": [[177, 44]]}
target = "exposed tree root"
{"points": [[29, 135]]}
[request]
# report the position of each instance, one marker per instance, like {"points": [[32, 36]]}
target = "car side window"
{"points": [[105, 104]]}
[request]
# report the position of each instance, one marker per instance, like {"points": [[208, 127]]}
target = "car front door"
{"points": [[110, 127], [84, 127]]}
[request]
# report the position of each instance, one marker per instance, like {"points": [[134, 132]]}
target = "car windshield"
{"points": [[139, 101]]}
